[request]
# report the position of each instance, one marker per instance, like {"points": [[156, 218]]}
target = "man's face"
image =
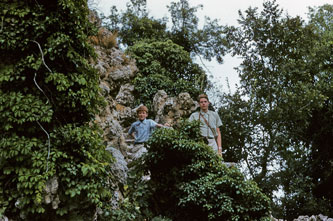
{"points": [[204, 103], [142, 115]]}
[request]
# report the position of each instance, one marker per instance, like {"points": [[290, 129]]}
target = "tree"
{"points": [[208, 41], [281, 91], [135, 25], [48, 96], [320, 130], [165, 66]]}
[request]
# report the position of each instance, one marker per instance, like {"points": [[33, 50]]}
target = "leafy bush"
{"points": [[165, 66], [48, 95], [189, 182], [135, 24]]}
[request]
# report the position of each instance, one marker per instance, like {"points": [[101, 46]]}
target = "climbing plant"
{"points": [[48, 95]]}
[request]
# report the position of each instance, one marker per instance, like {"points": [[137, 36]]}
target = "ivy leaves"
{"points": [[48, 87]]}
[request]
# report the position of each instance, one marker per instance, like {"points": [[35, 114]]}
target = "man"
{"points": [[210, 123]]}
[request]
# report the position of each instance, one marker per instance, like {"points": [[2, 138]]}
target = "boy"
{"points": [[142, 129]]}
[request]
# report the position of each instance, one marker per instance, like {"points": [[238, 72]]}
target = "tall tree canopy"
{"points": [[165, 56], [135, 24], [283, 108]]}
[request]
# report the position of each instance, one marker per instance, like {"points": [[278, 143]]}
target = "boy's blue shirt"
{"points": [[142, 130]]}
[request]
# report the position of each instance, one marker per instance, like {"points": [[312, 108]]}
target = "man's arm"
{"points": [[219, 141]]}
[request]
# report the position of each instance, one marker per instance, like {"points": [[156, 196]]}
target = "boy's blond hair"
{"points": [[142, 108]]}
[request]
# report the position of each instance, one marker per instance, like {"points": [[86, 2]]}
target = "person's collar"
{"points": [[143, 122], [202, 112]]}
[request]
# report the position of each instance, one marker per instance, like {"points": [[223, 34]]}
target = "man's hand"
{"points": [[219, 150]]}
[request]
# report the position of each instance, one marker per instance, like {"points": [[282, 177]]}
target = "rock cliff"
{"points": [[117, 72]]}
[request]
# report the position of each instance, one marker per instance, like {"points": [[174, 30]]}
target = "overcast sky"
{"points": [[227, 13]]}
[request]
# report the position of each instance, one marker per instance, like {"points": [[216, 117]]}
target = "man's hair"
{"points": [[202, 96], [142, 108]]}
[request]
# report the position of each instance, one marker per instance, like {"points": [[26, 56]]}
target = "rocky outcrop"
{"points": [[319, 217], [172, 109], [117, 72], [51, 196]]}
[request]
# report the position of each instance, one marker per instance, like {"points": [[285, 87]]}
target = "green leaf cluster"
{"points": [[48, 96], [165, 66]]}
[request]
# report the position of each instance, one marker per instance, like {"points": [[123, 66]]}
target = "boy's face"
{"points": [[204, 103], [142, 115]]}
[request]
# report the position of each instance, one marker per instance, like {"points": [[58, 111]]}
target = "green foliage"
{"points": [[165, 66], [235, 129], [209, 41], [165, 57], [320, 129], [48, 95], [189, 182], [279, 121], [135, 25]]}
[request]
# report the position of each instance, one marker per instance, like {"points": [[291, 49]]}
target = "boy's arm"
{"points": [[161, 125], [131, 131]]}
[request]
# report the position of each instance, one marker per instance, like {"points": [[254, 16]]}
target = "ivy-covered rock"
{"points": [[48, 96]]}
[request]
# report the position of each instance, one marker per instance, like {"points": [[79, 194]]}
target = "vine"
{"points": [[61, 102]]}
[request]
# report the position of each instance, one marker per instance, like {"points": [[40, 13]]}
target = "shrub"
{"points": [[189, 182], [164, 65]]}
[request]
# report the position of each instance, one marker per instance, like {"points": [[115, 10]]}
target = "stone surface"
{"points": [[172, 109], [119, 168], [125, 95], [135, 151], [319, 217], [50, 190], [122, 73]]}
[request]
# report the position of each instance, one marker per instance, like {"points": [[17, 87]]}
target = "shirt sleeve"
{"points": [[131, 130], [218, 121], [152, 123], [192, 117]]}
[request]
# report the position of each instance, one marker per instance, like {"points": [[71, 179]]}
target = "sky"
{"points": [[227, 14]]}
